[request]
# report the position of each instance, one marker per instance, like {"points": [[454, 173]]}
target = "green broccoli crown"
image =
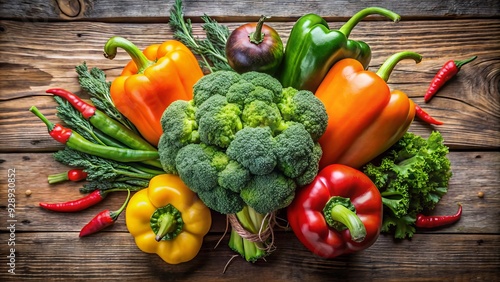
{"points": [[239, 130], [269, 192], [234, 176], [412, 176], [259, 114], [208, 171]]}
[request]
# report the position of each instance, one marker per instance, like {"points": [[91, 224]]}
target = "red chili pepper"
{"points": [[424, 116], [437, 221], [84, 108], [71, 175], [103, 219], [77, 175], [447, 71], [76, 205]]}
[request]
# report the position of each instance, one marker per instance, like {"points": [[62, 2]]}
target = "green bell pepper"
{"points": [[312, 48]]}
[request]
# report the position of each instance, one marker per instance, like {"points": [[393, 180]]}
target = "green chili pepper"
{"points": [[76, 141], [312, 48], [102, 122]]}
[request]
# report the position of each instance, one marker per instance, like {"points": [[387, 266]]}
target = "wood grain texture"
{"points": [[114, 256], [226, 10]]}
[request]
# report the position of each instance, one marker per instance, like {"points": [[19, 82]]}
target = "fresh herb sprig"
{"points": [[104, 173], [94, 82], [74, 119], [211, 49]]}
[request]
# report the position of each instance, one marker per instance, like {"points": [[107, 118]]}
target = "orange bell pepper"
{"points": [[156, 77], [365, 117]]}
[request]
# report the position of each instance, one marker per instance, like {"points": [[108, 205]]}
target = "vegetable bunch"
{"points": [[243, 144]]}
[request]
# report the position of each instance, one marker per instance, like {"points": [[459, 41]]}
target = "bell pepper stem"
{"points": [[351, 220], [340, 213], [167, 224], [386, 69], [354, 20], [137, 56], [257, 36]]}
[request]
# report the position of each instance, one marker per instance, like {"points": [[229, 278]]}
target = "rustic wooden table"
{"points": [[42, 41]]}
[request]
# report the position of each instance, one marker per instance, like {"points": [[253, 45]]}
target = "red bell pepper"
{"points": [[340, 212]]}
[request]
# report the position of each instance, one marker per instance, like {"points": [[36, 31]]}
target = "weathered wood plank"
{"points": [[472, 172], [469, 105], [114, 256], [158, 10]]}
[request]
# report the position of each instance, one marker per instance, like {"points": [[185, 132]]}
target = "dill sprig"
{"points": [[104, 173], [74, 119], [94, 82], [211, 49]]}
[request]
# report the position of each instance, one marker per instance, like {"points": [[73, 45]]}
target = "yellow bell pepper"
{"points": [[168, 219]]}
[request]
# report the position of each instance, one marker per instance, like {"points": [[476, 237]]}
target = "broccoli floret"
{"points": [[412, 177], [292, 148], [267, 82], [217, 84], [196, 166], [234, 176], [312, 170], [269, 192], [258, 113], [208, 171], [222, 200], [255, 86], [218, 121], [303, 107], [179, 129], [253, 147]]}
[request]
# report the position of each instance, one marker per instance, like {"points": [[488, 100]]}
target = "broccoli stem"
{"points": [[252, 222]]}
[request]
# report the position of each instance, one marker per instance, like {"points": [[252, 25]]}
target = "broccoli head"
{"points": [[239, 127], [244, 144], [222, 200], [412, 177], [312, 170]]}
